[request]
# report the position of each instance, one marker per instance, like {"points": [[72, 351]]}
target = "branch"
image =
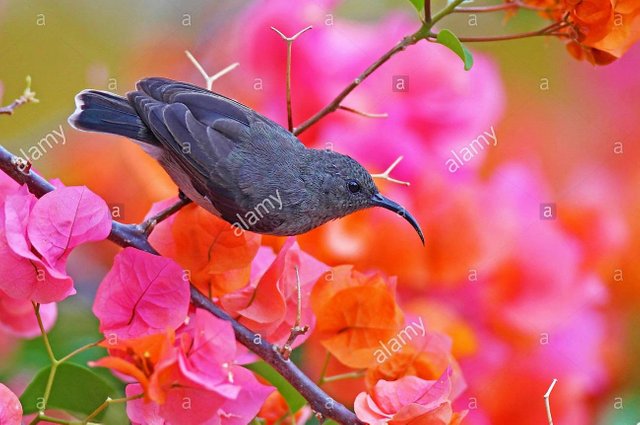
{"points": [[298, 329], [427, 11], [407, 41], [108, 402], [551, 30], [446, 11], [289, 41], [547, 396], [362, 113], [387, 173], [131, 235], [210, 78], [504, 6], [28, 96]]}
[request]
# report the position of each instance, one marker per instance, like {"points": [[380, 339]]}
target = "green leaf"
{"points": [[418, 4], [76, 390], [449, 39], [290, 394]]}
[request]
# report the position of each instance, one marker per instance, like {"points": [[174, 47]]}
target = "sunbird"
{"points": [[233, 161]]}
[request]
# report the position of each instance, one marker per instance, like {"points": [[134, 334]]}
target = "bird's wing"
{"points": [[206, 133]]}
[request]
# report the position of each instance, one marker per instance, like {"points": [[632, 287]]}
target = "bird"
{"points": [[232, 161]]}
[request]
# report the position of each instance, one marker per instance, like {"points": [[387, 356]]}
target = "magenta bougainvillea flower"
{"points": [[141, 295], [10, 407], [269, 303], [37, 236], [409, 400]]}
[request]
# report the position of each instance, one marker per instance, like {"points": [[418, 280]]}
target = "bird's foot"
{"points": [[183, 197], [148, 225]]}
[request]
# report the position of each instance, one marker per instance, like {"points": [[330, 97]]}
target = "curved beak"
{"points": [[380, 201]]}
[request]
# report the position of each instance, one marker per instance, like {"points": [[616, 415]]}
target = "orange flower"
{"points": [[406, 362], [355, 312], [600, 31], [136, 357], [426, 355], [210, 249], [275, 410], [590, 54], [624, 29], [592, 19]]}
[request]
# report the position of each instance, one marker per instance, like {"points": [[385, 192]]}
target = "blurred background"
{"points": [[531, 262]]}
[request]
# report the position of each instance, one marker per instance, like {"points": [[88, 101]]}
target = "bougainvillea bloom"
{"points": [[356, 313], [275, 410], [187, 377], [141, 295], [217, 257], [17, 316], [600, 31], [409, 400], [423, 353], [37, 236], [269, 304], [10, 407], [136, 357]]}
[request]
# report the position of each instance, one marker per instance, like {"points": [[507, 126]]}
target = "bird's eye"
{"points": [[354, 186]]}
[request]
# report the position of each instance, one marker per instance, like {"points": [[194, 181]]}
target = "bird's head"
{"points": [[345, 186]]}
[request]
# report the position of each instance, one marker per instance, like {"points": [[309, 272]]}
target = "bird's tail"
{"points": [[106, 112]]}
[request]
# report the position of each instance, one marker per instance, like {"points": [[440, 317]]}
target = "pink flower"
{"points": [[423, 352], [142, 294], [534, 266], [18, 318], [436, 106], [408, 400], [10, 407], [7, 185], [269, 304], [197, 380], [37, 235]]}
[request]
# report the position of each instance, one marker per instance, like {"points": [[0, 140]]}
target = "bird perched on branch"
{"points": [[232, 161]]}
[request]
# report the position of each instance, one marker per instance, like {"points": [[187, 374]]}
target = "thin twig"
{"points": [[386, 174], [407, 41], [547, 396], [79, 350], [427, 11], [28, 96], [130, 235], [297, 329], [499, 7], [52, 358], [54, 364], [551, 30], [43, 332], [41, 416], [348, 375], [362, 113], [446, 11], [325, 367], [108, 402], [289, 41], [209, 79]]}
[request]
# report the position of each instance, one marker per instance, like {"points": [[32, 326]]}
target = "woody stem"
{"points": [[127, 235], [499, 7]]}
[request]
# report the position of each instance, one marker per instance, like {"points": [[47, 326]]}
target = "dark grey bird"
{"points": [[232, 161]]}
